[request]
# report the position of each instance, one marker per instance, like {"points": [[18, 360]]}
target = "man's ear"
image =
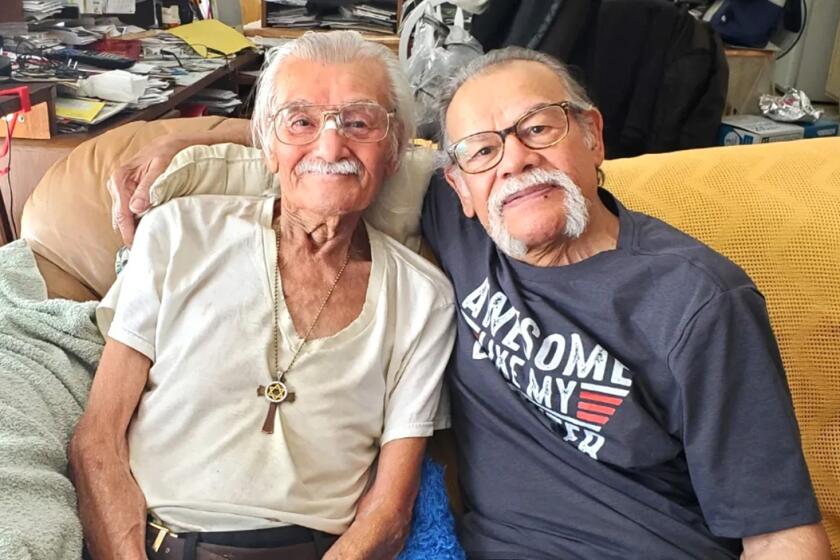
{"points": [[596, 135], [270, 162], [456, 180]]}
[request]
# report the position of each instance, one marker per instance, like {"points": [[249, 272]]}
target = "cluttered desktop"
{"points": [[101, 67]]}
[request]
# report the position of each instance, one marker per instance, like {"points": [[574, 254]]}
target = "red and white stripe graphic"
{"points": [[597, 403]]}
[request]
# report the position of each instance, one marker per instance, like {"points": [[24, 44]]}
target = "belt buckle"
{"points": [[162, 532]]}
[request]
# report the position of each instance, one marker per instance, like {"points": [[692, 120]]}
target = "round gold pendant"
{"points": [[276, 392]]}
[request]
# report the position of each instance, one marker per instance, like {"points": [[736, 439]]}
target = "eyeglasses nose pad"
{"points": [[331, 121]]}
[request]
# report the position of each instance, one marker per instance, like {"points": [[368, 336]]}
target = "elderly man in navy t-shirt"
{"points": [[616, 388], [617, 391]]}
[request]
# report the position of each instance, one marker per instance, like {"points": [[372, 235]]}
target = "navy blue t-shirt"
{"points": [[631, 405]]}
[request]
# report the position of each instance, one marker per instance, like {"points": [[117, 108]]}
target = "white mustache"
{"points": [[347, 166], [527, 180], [577, 214]]}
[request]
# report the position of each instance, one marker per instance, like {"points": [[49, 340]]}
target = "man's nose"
{"points": [[517, 157], [330, 144]]}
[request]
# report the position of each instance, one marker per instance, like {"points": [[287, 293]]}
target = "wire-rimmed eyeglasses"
{"points": [[537, 129], [300, 124]]}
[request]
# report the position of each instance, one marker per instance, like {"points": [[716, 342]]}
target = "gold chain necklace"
{"points": [[276, 392]]}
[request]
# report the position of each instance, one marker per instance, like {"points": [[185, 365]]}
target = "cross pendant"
{"points": [[275, 393]]}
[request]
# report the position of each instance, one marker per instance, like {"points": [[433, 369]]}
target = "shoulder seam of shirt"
{"points": [[707, 272], [697, 312]]}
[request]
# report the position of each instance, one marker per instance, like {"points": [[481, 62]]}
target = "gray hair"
{"points": [[480, 65], [333, 47]]}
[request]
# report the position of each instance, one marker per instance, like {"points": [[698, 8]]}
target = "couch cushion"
{"points": [[67, 220], [775, 210]]}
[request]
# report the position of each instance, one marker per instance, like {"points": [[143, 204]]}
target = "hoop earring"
{"points": [[601, 176]]}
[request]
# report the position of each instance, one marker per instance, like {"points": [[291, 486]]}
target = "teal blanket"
{"points": [[49, 350]]}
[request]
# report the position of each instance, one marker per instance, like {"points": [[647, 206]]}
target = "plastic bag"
{"points": [[438, 51]]}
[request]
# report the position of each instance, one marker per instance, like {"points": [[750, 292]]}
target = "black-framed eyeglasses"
{"points": [[537, 129], [301, 124]]}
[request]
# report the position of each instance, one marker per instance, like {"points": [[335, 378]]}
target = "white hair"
{"points": [[333, 47], [483, 63]]}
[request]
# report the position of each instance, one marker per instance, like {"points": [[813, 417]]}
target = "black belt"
{"points": [[291, 542]]}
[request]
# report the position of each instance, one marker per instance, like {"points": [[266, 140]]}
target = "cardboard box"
{"points": [[820, 129], [750, 76], [752, 129]]}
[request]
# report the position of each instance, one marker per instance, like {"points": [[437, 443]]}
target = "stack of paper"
{"points": [[289, 13], [73, 36], [378, 16], [218, 101], [157, 91], [86, 111], [368, 17], [9, 30], [41, 9]]}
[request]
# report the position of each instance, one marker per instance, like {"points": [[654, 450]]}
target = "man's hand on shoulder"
{"points": [[130, 182], [807, 542]]}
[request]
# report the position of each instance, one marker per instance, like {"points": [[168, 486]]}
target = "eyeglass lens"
{"points": [[301, 124], [539, 129]]}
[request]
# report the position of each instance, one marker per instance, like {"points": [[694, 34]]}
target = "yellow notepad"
{"points": [[83, 110], [214, 34]]}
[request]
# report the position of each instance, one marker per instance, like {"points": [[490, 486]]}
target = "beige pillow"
{"points": [[239, 170]]}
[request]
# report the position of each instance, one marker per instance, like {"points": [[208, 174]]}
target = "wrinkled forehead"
{"points": [[496, 98], [323, 83]]}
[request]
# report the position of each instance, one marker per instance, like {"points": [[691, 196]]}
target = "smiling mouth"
{"points": [[528, 193]]}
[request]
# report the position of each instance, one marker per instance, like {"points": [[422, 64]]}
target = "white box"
{"points": [[752, 129]]}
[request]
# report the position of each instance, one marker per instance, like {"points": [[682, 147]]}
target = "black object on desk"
{"points": [[109, 61]]}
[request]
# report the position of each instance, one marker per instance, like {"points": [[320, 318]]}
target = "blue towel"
{"points": [[432, 535]]}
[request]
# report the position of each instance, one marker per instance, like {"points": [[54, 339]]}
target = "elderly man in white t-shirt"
{"points": [[265, 353]]}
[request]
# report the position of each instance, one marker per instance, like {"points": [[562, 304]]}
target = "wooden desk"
{"points": [[32, 158], [38, 93]]}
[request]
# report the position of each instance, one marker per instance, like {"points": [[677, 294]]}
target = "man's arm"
{"points": [[111, 506], [807, 542], [383, 517], [129, 183]]}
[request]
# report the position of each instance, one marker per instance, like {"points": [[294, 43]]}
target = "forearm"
{"points": [[808, 542], [111, 505], [375, 535], [383, 517], [236, 131]]}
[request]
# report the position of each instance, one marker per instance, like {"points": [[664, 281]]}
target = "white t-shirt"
{"points": [[197, 298]]}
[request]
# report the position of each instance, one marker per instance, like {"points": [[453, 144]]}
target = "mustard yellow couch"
{"points": [[774, 209]]}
